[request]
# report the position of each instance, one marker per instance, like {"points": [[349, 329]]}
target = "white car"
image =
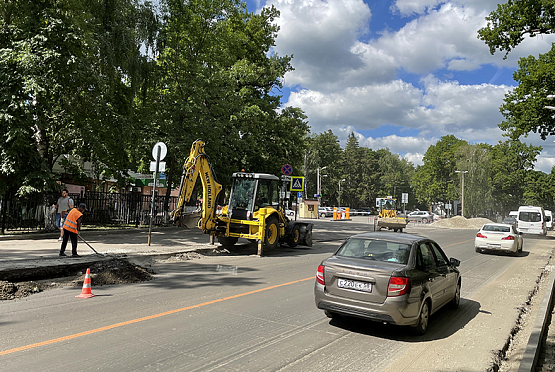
{"points": [[498, 237]]}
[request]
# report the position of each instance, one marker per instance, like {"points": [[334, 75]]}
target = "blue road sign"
{"points": [[297, 183]]}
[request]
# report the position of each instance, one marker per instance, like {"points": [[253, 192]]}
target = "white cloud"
{"points": [[468, 111], [418, 7], [346, 82], [322, 36]]}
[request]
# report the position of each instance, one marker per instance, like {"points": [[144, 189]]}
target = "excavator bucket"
{"points": [[189, 220]]}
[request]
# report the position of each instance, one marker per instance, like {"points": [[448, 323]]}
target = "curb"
{"points": [[532, 352]]}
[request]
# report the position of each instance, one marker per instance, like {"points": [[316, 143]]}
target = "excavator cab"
{"points": [[250, 192]]}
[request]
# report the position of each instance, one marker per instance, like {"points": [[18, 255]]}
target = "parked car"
{"points": [[289, 212], [394, 278], [510, 220], [325, 212], [498, 237], [420, 216]]}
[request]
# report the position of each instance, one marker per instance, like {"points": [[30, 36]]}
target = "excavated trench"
{"points": [[108, 272], [22, 282]]}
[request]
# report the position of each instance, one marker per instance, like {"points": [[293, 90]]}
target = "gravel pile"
{"points": [[460, 222]]}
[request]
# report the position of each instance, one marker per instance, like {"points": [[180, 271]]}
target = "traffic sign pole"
{"points": [[158, 153]]}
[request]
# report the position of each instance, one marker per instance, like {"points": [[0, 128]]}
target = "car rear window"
{"points": [[496, 228], [530, 216], [378, 250]]}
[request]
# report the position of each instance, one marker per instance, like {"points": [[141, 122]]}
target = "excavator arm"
{"points": [[198, 163]]}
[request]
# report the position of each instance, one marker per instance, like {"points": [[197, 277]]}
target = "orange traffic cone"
{"points": [[86, 292]]}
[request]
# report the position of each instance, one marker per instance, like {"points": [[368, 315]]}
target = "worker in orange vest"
{"points": [[72, 225]]}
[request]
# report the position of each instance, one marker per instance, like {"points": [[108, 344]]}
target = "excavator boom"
{"points": [[198, 163]]}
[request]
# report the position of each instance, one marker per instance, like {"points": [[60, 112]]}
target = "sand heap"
{"points": [[460, 222]]}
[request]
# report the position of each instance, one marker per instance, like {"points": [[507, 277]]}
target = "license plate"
{"points": [[494, 246], [354, 284]]}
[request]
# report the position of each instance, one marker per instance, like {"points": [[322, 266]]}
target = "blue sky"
{"points": [[399, 74]]}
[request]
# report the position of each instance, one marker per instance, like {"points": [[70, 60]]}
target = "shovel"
{"points": [[90, 246]]}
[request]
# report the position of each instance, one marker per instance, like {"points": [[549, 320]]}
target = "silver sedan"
{"points": [[498, 237], [388, 277]]}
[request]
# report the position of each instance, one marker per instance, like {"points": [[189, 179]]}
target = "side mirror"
{"points": [[454, 262], [520, 233]]}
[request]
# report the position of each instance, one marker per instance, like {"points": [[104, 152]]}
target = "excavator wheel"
{"points": [[227, 241], [271, 234], [308, 237], [293, 239]]}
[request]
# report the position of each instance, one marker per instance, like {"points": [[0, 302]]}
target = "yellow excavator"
{"points": [[255, 210]]}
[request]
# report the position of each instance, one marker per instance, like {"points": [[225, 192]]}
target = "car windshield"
{"points": [[496, 228], [378, 250]]}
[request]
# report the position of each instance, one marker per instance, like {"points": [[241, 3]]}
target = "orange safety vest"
{"points": [[70, 223]]}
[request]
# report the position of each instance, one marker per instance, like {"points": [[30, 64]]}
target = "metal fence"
{"points": [[35, 212]]}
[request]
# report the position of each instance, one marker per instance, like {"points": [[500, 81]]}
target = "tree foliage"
{"points": [[434, 179], [215, 80], [508, 25], [524, 107], [68, 69]]}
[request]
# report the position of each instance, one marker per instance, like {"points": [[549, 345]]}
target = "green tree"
{"points": [[395, 176], [478, 188], [68, 69], [538, 189], [507, 27], [511, 22], [511, 162], [352, 165], [216, 80], [434, 180], [323, 150]]}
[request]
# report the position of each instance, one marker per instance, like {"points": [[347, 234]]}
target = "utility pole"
{"points": [[462, 206]]}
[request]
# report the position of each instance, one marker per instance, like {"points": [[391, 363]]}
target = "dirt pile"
{"points": [[460, 222], [102, 273], [10, 291]]}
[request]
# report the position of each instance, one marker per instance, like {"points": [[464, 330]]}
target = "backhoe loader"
{"points": [[255, 210]]}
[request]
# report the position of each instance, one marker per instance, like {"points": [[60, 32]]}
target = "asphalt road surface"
{"points": [[245, 313]]}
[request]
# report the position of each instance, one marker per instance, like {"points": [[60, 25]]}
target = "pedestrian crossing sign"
{"points": [[297, 183]]}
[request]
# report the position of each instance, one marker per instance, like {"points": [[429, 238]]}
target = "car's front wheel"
{"points": [[457, 298]]}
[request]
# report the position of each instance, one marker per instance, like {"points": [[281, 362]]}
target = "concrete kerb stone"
{"points": [[531, 354]]}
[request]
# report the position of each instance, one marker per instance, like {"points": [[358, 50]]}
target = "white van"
{"points": [[548, 220], [531, 220], [513, 214]]}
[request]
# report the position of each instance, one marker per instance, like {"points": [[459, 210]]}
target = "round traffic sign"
{"points": [[163, 150], [287, 169]]}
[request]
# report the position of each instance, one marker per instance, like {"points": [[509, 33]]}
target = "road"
{"points": [[245, 313]]}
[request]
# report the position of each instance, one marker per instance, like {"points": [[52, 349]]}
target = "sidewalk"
{"points": [[22, 256]]}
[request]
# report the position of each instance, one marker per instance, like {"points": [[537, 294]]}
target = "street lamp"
{"points": [[462, 207], [318, 185], [339, 195]]}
